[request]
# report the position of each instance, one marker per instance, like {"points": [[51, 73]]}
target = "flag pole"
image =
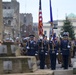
{"points": [[51, 20]]}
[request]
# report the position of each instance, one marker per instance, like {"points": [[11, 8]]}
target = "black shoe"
{"points": [[62, 66], [70, 65]]}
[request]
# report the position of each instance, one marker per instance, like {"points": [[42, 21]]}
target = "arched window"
{"points": [[9, 22]]}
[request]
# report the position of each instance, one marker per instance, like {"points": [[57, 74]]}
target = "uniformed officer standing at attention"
{"points": [[52, 52], [31, 46], [47, 57], [41, 52], [74, 48], [56, 47], [23, 46], [65, 49]]}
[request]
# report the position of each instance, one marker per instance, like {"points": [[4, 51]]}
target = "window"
{"points": [[24, 19], [8, 7], [9, 22], [4, 7], [45, 32], [55, 26]]}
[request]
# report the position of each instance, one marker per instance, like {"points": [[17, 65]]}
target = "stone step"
{"points": [[38, 72], [63, 72]]}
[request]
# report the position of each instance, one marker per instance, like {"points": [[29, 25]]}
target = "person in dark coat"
{"points": [[47, 57], [52, 51], [65, 50], [41, 53], [31, 46]]}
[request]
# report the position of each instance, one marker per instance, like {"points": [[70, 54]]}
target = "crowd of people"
{"points": [[49, 51]]}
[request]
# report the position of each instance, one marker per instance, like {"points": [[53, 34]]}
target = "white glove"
{"points": [[68, 46], [36, 54], [27, 47], [57, 53], [45, 53]]}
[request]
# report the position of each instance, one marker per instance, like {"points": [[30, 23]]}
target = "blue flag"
{"points": [[51, 18]]}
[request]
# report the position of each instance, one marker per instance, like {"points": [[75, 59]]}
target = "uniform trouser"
{"points": [[69, 59], [47, 61], [59, 57], [42, 60], [74, 50], [53, 61], [65, 61]]}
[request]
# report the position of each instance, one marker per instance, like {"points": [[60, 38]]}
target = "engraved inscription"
{"points": [[13, 48], [7, 65]]}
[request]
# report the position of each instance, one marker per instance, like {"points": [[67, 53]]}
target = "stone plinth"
{"points": [[20, 64], [1, 21], [8, 49]]}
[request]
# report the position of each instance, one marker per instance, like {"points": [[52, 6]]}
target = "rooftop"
{"points": [[71, 15]]}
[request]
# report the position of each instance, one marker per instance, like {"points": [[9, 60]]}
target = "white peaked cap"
{"points": [[17, 38]]}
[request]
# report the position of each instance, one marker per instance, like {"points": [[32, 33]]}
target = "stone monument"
{"points": [[1, 21], [10, 63]]}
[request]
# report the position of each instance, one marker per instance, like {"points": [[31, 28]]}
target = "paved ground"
{"points": [[58, 66], [61, 71]]}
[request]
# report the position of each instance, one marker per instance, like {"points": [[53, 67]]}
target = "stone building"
{"points": [[26, 24], [46, 28], [35, 29], [11, 19]]}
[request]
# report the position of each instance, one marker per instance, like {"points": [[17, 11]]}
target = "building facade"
{"points": [[58, 25], [26, 24], [46, 28], [11, 19]]}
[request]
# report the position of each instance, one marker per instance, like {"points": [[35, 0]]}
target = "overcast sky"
{"points": [[59, 8]]}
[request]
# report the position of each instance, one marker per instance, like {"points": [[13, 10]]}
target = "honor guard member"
{"points": [[52, 52], [41, 52], [71, 51], [31, 46], [23, 46], [47, 57], [56, 47], [74, 48], [65, 50]]}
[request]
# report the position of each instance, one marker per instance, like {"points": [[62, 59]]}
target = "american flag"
{"points": [[40, 23]]}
